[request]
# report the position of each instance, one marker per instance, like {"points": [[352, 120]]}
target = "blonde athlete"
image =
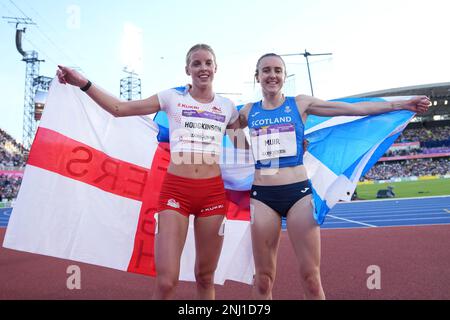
{"points": [[198, 118]]}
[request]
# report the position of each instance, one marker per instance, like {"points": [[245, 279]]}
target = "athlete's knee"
{"points": [[264, 282], [311, 282], [166, 284], [205, 279]]}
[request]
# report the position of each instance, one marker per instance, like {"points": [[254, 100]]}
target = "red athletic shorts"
{"points": [[200, 197]]}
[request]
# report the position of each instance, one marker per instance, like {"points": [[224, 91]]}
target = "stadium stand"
{"points": [[12, 163], [417, 152], [423, 149]]}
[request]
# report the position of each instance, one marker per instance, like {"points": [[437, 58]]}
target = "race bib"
{"points": [[202, 128], [275, 141]]}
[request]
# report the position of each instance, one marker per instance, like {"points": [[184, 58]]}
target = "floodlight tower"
{"points": [[32, 61], [130, 87]]}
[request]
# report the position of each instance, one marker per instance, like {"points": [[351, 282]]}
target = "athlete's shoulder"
{"points": [[246, 108], [181, 90], [303, 99], [170, 98], [173, 92]]}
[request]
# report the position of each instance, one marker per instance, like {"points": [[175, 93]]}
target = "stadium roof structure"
{"points": [[439, 94]]}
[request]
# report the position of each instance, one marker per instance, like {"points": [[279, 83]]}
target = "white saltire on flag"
{"points": [[90, 191]]}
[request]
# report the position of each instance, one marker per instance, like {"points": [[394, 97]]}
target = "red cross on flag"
{"points": [[90, 191]]}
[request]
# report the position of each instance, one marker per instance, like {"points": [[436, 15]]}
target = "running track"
{"points": [[413, 256], [388, 213]]}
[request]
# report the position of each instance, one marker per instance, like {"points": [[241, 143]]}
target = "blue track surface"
{"points": [[389, 213], [364, 214], [4, 216]]}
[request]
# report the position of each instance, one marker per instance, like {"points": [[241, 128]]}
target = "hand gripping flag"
{"points": [[90, 191]]}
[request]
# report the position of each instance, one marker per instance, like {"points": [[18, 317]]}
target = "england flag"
{"points": [[90, 191]]}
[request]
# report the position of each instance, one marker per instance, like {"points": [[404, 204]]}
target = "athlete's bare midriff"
{"points": [[194, 165], [280, 176]]}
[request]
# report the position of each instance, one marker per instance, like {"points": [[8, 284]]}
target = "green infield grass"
{"points": [[407, 189]]}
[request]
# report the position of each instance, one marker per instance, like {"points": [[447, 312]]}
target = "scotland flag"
{"points": [[342, 149]]}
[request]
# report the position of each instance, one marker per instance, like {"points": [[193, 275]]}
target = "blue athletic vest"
{"points": [[287, 113]]}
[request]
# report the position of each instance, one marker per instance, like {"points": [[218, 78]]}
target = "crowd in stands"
{"points": [[11, 158], [11, 152], [423, 135], [432, 141], [406, 168], [413, 151], [9, 187]]}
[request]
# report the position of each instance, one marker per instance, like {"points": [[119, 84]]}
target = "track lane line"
{"points": [[353, 221]]}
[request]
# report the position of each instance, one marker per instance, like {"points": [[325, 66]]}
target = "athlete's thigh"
{"points": [[304, 232], [169, 241], [208, 241], [266, 228]]}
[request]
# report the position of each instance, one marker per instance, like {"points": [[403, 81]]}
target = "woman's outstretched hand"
{"points": [[419, 104], [70, 76]]}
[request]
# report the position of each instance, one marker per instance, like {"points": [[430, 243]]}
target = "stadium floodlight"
{"points": [[39, 103]]}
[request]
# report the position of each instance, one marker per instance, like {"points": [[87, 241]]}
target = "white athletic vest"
{"points": [[195, 126]]}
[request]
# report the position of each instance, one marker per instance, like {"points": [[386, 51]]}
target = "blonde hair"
{"points": [[200, 46]]}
